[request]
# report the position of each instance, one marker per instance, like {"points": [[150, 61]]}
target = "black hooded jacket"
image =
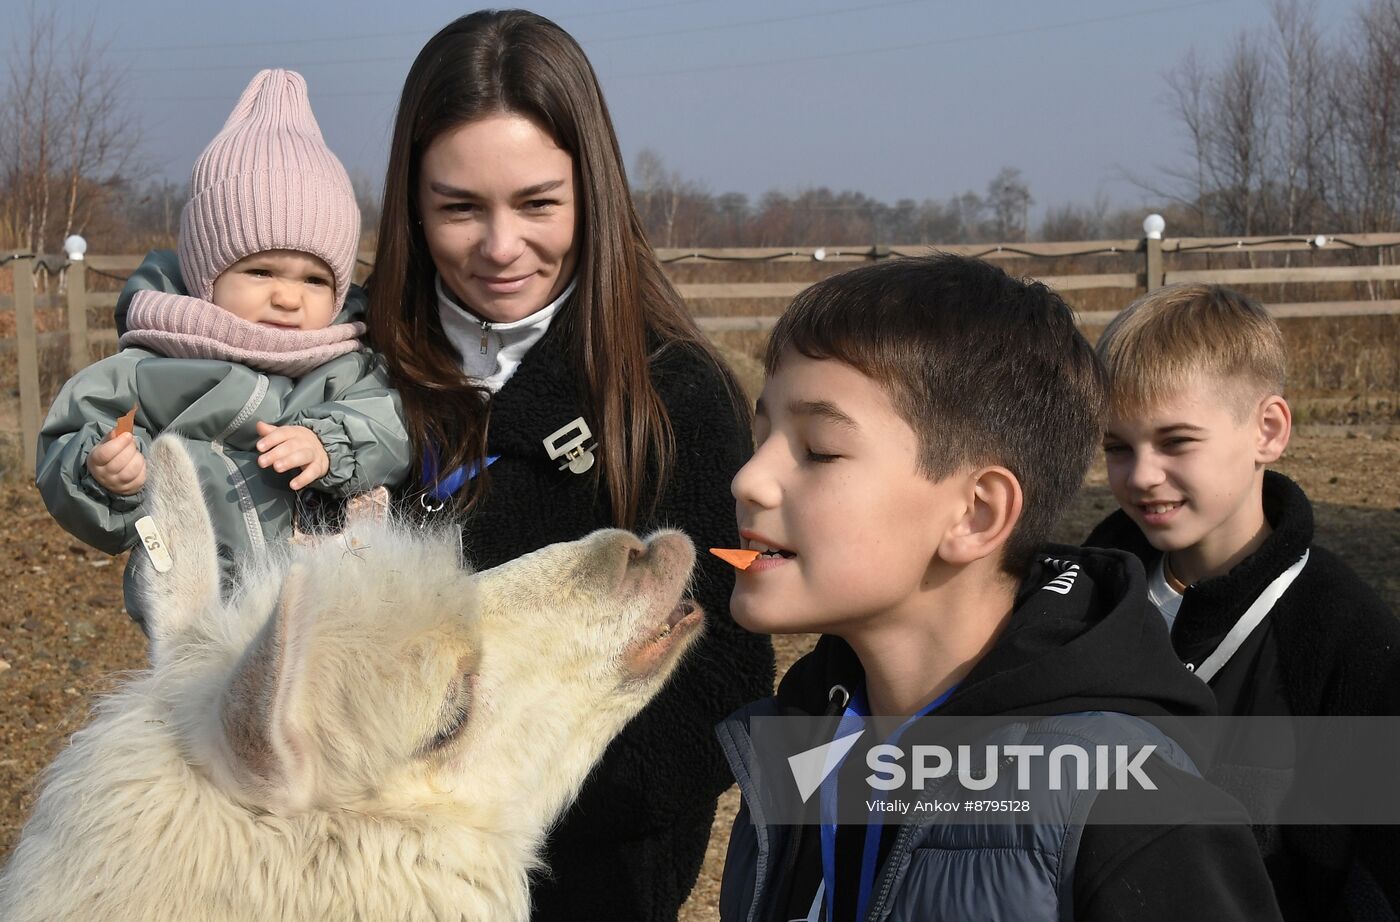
{"points": [[1329, 646], [1100, 647]]}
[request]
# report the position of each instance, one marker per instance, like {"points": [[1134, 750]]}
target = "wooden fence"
{"points": [[1152, 270], [1150, 261]]}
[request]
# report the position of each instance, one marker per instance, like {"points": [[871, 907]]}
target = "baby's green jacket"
{"points": [[215, 406]]}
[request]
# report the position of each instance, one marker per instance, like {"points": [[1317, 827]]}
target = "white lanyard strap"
{"points": [[1250, 620]]}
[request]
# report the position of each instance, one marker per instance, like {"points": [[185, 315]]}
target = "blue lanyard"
{"points": [[443, 489], [851, 721]]}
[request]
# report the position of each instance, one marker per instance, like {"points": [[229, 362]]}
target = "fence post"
{"points": [[77, 317], [27, 349], [1152, 227]]}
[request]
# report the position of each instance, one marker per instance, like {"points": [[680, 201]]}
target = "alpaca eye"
{"points": [[455, 711], [449, 733]]}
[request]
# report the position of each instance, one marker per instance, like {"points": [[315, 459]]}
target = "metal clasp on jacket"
{"points": [[570, 442]]}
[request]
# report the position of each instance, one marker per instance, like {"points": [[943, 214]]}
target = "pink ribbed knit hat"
{"points": [[268, 182]]}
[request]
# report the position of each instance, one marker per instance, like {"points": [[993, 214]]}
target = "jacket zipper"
{"points": [[904, 846], [485, 330], [789, 854], [245, 498]]}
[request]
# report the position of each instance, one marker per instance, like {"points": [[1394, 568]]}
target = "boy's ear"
{"points": [[994, 501], [1275, 427]]}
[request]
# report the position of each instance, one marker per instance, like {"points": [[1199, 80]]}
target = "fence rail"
{"points": [[1151, 272]]}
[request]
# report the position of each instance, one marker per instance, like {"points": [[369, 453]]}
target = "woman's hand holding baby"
{"points": [[285, 447], [117, 465]]}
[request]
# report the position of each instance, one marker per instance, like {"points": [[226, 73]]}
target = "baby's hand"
{"points": [[285, 447], [117, 465]]}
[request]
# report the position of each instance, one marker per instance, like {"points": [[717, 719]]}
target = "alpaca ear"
{"points": [[178, 571], [268, 749]]}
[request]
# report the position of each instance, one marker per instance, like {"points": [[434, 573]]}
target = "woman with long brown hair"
{"points": [[552, 384]]}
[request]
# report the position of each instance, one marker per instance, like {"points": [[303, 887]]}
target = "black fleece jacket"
{"points": [[1329, 646], [1103, 647], [632, 846]]}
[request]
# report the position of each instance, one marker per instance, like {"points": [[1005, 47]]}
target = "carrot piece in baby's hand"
{"points": [[735, 557], [125, 423]]}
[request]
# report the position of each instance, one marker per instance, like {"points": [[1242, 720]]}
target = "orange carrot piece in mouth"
{"points": [[735, 557], [125, 423]]}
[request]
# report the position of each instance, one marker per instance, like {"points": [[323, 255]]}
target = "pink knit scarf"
{"points": [[184, 327]]}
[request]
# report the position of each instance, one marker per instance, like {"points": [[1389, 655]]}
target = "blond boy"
{"points": [[1196, 414]]}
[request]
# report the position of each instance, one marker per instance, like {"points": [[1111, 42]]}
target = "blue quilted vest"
{"points": [[939, 869]]}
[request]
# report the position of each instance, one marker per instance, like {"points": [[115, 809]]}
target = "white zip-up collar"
{"points": [[492, 351]]}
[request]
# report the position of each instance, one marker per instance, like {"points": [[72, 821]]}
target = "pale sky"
{"points": [[895, 98]]}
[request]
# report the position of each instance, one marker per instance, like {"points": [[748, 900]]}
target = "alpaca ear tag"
{"points": [[154, 542], [571, 443]]}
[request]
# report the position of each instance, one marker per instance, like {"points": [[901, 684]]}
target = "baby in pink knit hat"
{"points": [[255, 360], [269, 237]]}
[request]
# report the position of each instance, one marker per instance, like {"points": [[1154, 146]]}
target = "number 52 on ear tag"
{"points": [[154, 542]]}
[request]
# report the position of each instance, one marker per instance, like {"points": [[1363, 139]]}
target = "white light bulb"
{"points": [[75, 246], [1153, 225]]}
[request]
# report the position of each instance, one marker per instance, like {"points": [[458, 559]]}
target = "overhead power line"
{"points": [[773, 62], [331, 39], [914, 46], [666, 33], [805, 16]]}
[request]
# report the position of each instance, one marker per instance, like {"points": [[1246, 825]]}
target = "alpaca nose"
{"points": [[632, 557], [636, 556]]}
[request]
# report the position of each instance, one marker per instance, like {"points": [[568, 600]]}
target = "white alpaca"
{"points": [[364, 732]]}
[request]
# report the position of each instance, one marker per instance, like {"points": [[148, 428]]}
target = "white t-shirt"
{"points": [[492, 351], [1160, 591]]}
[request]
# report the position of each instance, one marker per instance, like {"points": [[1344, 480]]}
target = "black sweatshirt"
{"points": [[1103, 647], [1329, 646]]}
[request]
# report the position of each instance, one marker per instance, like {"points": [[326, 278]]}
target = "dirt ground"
{"points": [[64, 637]]}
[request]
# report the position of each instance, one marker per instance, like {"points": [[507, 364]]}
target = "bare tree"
{"points": [[1288, 132], [1252, 130], [1094, 221], [1299, 69], [657, 192], [1186, 86], [1188, 182], [1239, 135], [1009, 199], [1366, 98], [67, 142]]}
